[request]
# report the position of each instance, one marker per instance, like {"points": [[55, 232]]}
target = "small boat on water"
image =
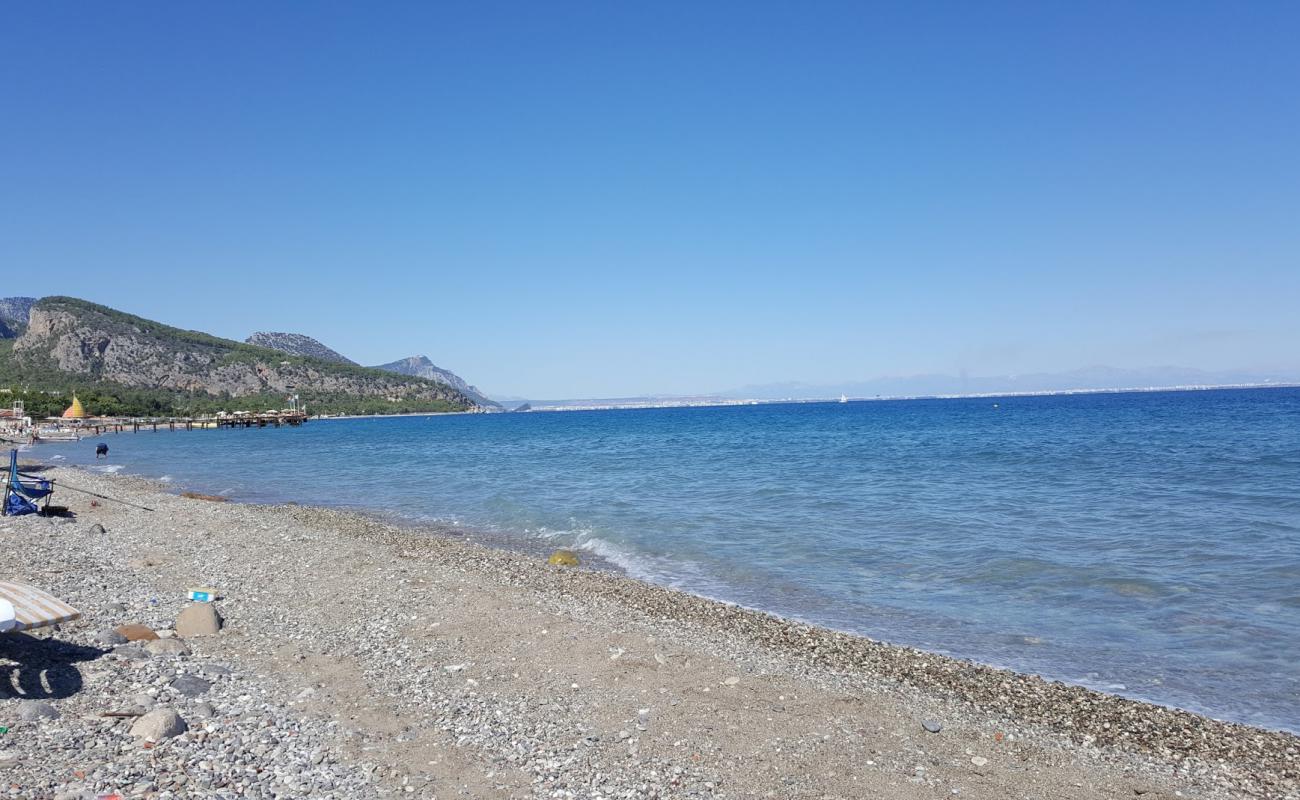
{"points": [[844, 398]]}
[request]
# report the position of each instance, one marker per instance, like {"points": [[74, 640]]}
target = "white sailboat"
{"points": [[844, 398]]}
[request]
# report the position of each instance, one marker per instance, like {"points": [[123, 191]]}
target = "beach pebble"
{"points": [[97, 529], [732, 681], [143, 701], [979, 761], [32, 710], [130, 652], [159, 724], [932, 726], [167, 647], [191, 686], [109, 637], [198, 619]]}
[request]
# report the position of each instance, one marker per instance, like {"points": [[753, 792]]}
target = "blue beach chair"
{"points": [[29, 497]]}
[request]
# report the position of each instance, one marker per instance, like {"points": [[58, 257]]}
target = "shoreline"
{"points": [[594, 560], [1048, 725]]}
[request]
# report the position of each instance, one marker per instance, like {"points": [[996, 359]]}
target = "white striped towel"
{"points": [[33, 608]]}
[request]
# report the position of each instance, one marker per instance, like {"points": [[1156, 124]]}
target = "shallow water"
{"points": [[1147, 544]]}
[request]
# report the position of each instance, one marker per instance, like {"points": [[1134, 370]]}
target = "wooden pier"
{"points": [[228, 421], [137, 424]]}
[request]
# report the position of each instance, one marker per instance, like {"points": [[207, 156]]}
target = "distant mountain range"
{"points": [[123, 364], [52, 340], [298, 345], [414, 366], [422, 367], [1087, 379]]}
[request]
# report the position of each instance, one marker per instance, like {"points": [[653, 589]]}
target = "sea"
{"points": [[1145, 544]]}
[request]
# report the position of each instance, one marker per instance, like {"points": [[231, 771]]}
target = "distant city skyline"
{"points": [[583, 200]]}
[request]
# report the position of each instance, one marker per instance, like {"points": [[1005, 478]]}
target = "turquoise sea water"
{"points": [[1145, 544]]}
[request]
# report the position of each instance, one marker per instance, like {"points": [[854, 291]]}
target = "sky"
{"points": [[610, 199]]}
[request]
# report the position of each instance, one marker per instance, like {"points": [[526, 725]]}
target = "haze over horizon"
{"points": [[588, 201]]}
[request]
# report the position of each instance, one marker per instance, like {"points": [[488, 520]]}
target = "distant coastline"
{"points": [[327, 417], [632, 403]]}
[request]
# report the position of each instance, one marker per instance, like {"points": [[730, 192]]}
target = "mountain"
{"points": [[14, 312], [422, 367], [130, 362], [297, 344], [1087, 379]]}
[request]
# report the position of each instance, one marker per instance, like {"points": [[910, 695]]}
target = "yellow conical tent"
{"points": [[75, 411]]}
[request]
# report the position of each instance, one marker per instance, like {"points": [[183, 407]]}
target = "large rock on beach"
{"points": [[136, 633], [159, 724], [198, 619]]}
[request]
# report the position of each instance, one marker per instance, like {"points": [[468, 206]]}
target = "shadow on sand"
{"points": [[33, 668]]}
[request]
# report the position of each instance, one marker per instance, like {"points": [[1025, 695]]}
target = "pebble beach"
{"points": [[359, 658]]}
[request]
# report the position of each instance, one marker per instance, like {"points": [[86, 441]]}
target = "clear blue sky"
{"points": [[597, 199]]}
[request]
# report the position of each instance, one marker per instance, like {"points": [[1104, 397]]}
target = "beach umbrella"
{"points": [[75, 411]]}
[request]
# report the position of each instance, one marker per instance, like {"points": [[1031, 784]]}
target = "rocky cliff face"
{"points": [[102, 344], [422, 367], [297, 344], [14, 313]]}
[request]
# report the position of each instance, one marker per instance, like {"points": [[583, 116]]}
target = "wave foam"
{"points": [[618, 556]]}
